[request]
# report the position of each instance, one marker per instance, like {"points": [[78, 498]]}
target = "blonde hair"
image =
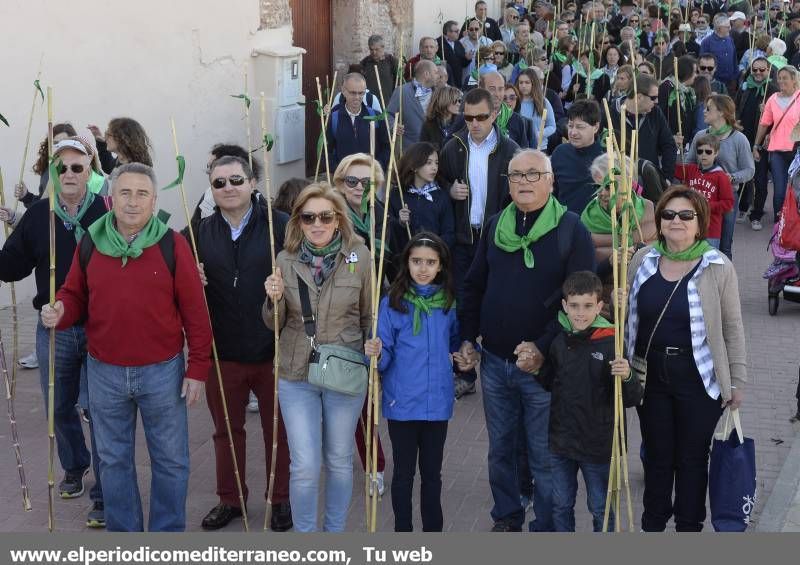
{"points": [[353, 160], [294, 233]]}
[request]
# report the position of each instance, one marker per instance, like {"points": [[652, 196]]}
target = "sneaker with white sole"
{"points": [[756, 225], [379, 482], [252, 404], [28, 362], [740, 218]]}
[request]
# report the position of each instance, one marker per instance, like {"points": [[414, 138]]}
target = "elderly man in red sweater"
{"points": [[136, 285]]}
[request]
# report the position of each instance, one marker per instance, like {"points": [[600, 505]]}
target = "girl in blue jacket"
{"points": [[417, 332]]}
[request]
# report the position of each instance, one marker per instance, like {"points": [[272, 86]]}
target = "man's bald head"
{"points": [[425, 73]]}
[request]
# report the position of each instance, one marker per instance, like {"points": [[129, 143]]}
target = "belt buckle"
{"points": [[672, 350]]}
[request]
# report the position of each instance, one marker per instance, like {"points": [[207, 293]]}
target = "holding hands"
{"points": [[529, 358]]}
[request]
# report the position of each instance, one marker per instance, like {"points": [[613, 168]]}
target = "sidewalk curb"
{"points": [[783, 495]]}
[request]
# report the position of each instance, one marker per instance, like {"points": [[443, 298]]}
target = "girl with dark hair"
{"points": [[417, 333], [532, 104], [427, 207]]}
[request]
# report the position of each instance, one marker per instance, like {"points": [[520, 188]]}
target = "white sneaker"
{"points": [[740, 219], [379, 482], [28, 362], [756, 225], [252, 405]]}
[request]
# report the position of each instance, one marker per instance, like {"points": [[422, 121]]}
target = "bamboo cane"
{"points": [[324, 123], [325, 116], [678, 106], [213, 344], [51, 353], [14, 319], [276, 359], [9, 383], [540, 138], [247, 121], [392, 161], [400, 109]]}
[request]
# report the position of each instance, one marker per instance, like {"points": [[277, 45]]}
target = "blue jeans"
{"points": [[779, 162], [565, 489], [508, 394], [713, 242], [116, 396], [70, 378], [728, 225], [320, 428]]}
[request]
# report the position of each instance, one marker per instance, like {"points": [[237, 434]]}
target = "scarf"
{"points": [[598, 220], [364, 226], [424, 298], [688, 97], [505, 235], [109, 241], [759, 87], [719, 132], [322, 260], [425, 191], [503, 118], [694, 252], [421, 91], [777, 61], [72, 223], [560, 57], [599, 322]]}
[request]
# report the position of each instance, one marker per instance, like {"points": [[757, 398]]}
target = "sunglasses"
{"points": [[474, 29], [759, 69], [352, 182], [234, 180], [704, 68], [325, 218], [77, 169], [569, 21], [705, 151], [684, 215], [501, 53], [480, 117], [510, 97]]}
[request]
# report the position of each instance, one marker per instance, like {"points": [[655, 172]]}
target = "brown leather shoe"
{"points": [[220, 516]]}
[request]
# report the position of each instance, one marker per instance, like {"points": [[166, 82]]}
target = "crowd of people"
{"points": [[498, 258]]}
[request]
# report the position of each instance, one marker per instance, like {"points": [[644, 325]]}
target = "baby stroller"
{"points": [[783, 275]]}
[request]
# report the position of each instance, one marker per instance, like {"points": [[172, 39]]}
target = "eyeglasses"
{"points": [[325, 218], [705, 151], [684, 215], [501, 53], [474, 29], [234, 180], [513, 17], [759, 69], [530, 176], [352, 182], [569, 21], [632, 21], [77, 169], [709, 69], [480, 117]]}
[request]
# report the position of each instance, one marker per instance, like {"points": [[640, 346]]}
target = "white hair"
{"points": [[777, 46]]}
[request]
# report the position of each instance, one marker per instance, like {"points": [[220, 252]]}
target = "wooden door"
{"points": [[311, 20]]}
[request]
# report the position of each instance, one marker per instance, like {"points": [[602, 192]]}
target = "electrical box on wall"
{"points": [[290, 130]]}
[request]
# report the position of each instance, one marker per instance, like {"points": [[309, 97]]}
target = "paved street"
{"points": [[769, 404]]}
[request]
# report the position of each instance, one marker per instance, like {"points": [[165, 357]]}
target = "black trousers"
{"points": [[409, 439], [678, 420], [463, 254]]}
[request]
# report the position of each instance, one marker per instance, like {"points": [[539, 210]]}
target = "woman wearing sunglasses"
{"points": [[443, 116], [685, 334], [321, 250]]}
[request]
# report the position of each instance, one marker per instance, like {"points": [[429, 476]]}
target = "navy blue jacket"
{"points": [[416, 371], [507, 303], [436, 217], [346, 138]]}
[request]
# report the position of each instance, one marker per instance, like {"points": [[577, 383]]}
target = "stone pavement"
{"points": [[769, 404]]}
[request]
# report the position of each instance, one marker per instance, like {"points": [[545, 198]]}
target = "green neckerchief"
{"points": [[599, 322], [694, 252], [333, 247], [760, 88], [75, 220], [688, 97], [363, 225], [109, 241], [505, 235], [598, 220], [96, 182], [721, 131], [503, 118], [560, 57], [423, 304], [777, 61]]}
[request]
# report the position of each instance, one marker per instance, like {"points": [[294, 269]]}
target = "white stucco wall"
{"points": [[149, 60], [426, 16]]}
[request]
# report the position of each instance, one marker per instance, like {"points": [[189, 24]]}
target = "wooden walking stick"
{"points": [[324, 134], [678, 106], [267, 145], [324, 116], [12, 418], [541, 129], [247, 120], [51, 357], [215, 355]]}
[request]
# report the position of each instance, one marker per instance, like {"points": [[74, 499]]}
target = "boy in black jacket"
{"points": [[580, 372]]}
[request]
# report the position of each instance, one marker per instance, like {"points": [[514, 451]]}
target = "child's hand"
{"points": [[620, 368], [464, 364], [373, 347]]}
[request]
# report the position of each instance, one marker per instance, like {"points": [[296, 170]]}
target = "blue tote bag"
{"points": [[732, 477]]}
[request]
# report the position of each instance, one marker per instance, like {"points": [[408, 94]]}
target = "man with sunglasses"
{"points": [[707, 67], [231, 245], [348, 131], [26, 250], [472, 166], [136, 284], [453, 53], [749, 100]]}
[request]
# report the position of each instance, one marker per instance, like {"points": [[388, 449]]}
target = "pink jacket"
{"points": [[779, 139]]}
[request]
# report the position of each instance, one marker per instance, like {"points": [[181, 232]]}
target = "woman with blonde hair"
{"points": [[324, 257]]}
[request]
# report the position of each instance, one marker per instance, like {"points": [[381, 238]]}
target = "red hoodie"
{"points": [[715, 185]]}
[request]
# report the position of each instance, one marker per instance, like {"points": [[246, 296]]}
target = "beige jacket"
{"points": [[718, 287], [342, 308]]}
